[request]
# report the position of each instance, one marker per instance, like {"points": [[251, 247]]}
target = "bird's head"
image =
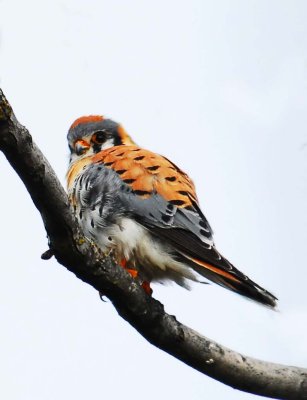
{"points": [[90, 134]]}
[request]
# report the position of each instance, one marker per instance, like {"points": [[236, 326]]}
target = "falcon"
{"points": [[143, 207]]}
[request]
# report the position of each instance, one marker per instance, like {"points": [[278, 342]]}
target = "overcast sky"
{"points": [[219, 87]]}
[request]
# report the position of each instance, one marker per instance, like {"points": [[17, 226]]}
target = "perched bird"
{"points": [[145, 208]]}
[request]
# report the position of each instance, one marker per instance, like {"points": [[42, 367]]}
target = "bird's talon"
{"points": [[123, 263], [133, 272], [146, 286]]}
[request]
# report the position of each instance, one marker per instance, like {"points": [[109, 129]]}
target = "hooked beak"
{"points": [[81, 147]]}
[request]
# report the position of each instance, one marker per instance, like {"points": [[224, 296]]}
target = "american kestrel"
{"points": [[144, 208]]}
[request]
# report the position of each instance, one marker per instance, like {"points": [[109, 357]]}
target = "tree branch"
{"points": [[144, 313]]}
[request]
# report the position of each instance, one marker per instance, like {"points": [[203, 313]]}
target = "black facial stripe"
{"points": [[117, 140], [97, 147]]}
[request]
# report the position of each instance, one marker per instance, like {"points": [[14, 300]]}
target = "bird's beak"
{"points": [[81, 147]]}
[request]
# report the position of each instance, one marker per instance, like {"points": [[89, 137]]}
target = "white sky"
{"points": [[219, 87]]}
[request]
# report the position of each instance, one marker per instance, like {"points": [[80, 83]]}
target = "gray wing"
{"points": [[101, 192], [102, 188]]}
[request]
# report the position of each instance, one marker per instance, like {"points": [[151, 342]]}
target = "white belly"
{"points": [[140, 249]]}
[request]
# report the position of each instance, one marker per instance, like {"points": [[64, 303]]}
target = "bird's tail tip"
{"points": [[235, 281], [253, 291]]}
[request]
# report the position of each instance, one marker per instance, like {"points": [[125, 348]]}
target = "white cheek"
{"points": [[74, 157], [107, 144]]}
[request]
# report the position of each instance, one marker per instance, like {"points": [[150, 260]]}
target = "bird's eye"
{"points": [[99, 137]]}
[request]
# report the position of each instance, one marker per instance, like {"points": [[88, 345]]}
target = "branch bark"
{"points": [[144, 313]]}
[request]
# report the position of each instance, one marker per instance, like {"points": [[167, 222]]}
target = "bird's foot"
{"points": [[146, 286], [135, 273]]}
